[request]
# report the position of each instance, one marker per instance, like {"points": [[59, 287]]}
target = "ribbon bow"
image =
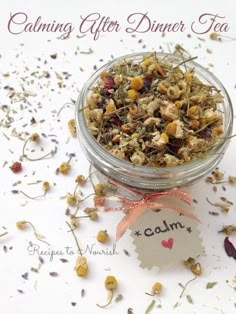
{"points": [[135, 208]]}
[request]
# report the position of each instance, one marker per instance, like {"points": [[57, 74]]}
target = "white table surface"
{"points": [[23, 54]]}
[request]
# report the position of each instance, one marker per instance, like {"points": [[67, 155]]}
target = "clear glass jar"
{"points": [[150, 178]]}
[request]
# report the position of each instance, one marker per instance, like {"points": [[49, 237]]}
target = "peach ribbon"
{"points": [[135, 208]]}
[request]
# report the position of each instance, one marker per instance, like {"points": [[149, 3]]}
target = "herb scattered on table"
{"points": [[229, 229], [23, 225], [119, 298], [156, 289], [210, 285], [150, 307], [111, 285], [16, 167], [81, 266], [102, 236], [189, 298], [229, 248], [35, 137], [53, 274]]}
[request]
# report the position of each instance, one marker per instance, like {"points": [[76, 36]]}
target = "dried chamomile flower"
{"points": [[35, 137], [100, 189], [64, 168], [89, 210], [72, 127], [232, 180], [189, 262], [132, 94], [137, 83], [102, 236], [156, 288], [196, 269], [218, 175], [74, 221], [93, 216], [229, 229], [215, 36], [193, 266], [71, 199], [111, 285], [110, 107], [22, 225], [80, 180], [46, 186], [81, 266], [210, 179]]}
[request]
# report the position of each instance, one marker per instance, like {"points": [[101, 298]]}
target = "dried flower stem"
{"points": [[35, 232], [109, 301], [76, 240], [90, 176], [92, 194], [150, 294], [63, 106], [185, 286], [228, 137], [184, 61], [205, 126], [35, 197], [213, 204], [3, 234], [76, 211], [33, 159]]}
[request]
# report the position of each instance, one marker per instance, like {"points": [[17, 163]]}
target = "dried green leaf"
{"points": [[118, 298], [189, 298], [176, 305], [210, 285], [150, 307]]}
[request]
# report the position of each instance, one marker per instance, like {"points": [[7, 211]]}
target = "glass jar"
{"points": [[144, 177]]}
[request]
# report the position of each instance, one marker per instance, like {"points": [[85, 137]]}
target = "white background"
{"points": [[23, 54]]}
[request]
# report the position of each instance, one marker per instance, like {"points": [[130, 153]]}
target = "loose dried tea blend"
{"points": [[154, 113]]}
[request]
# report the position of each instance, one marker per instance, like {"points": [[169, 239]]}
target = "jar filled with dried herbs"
{"points": [[154, 120]]}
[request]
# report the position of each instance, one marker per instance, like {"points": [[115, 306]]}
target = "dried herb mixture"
{"points": [[154, 113]]}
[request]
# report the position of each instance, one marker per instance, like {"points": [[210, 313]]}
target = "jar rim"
{"points": [[127, 166]]}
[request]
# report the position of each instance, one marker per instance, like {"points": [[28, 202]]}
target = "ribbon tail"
{"points": [[128, 220]]}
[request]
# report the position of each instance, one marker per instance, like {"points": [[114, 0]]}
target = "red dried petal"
{"points": [[109, 82], [16, 167], [229, 248]]}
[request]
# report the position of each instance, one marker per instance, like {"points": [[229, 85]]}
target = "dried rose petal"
{"points": [[109, 82], [16, 167], [205, 134], [229, 248], [175, 145]]}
